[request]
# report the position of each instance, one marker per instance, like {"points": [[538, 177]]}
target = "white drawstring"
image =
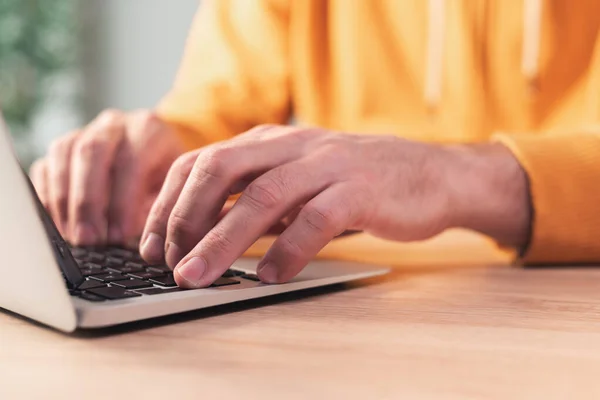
{"points": [[532, 28], [435, 53]]}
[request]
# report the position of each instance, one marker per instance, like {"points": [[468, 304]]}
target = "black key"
{"points": [[252, 277], [122, 253], [92, 265], [166, 280], [132, 284], [78, 252], [138, 258], [114, 262], [228, 274], [224, 282], [146, 274], [90, 296], [128, 268], [95, 257], [110, 277], [80, 261], [92, 271], [159, 268], [237, 272], [132, 256], [113, 292], [90, 284], [134, 264], [156, 290]]}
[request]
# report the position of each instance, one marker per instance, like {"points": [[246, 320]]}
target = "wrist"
{"points": [[490, 193]]}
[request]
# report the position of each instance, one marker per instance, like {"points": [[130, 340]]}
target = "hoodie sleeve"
{"points": [[235, 50], [564, 178]]}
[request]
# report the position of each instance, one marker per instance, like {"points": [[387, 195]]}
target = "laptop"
{"points": [[68, 288]]}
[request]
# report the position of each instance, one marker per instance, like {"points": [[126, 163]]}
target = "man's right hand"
{"points": [[98, 183]]}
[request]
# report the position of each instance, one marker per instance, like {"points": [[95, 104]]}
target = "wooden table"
{"points": [[454, 321]]}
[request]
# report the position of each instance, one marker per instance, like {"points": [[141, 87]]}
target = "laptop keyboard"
{"points": [[116, 273]]}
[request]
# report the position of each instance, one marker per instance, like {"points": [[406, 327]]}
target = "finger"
{"points": [[153, 242], [59, 165], [215, 172], [128, 174], [260, 206], [275, 229], [226, 208], [92, 157], [320, 221], [289, 219], [39, 179]]}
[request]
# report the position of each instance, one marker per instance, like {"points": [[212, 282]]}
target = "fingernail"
{"points": [[174, 254], [85, 234], [153, 247], [192, 270], [115, 236], [267, 272]]}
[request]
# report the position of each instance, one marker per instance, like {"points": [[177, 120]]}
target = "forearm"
{"points": [[490, 193]]}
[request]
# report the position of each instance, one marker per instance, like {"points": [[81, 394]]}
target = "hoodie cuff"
{"points": [[563, 172]]}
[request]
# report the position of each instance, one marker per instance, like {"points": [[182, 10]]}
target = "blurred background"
{"points": [[63, 61]]}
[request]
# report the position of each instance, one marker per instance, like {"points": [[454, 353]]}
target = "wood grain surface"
{"points": [[453, 321]]}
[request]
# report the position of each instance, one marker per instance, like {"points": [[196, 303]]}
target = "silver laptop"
{"points": [[45, 279]]}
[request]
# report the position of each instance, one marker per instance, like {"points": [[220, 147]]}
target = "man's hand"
{"points": [[99, 183], [390, 187]]}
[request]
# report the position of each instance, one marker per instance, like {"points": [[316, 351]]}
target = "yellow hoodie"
{"points": [[523, 72]]}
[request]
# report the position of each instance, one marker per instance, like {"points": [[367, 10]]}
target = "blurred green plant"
{"points": [[38, 40]]}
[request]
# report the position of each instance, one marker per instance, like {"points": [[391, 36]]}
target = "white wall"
{"points": [[132, 50], [130, 53]]}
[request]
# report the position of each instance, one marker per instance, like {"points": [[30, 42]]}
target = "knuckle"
{"points": [[302, 134], [213, 163], [91, 147], [263, 131], [37, 167], [265, 193], [183, 164], [320, 219], [59, 147], [55, 149], [261, 128], [179, 225], [221, 154], [147, 120], [218, 242], [109, 124], [356, 208], [338, 152], [290, 248], [333, 143], [110, 116], [160, 212]]}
